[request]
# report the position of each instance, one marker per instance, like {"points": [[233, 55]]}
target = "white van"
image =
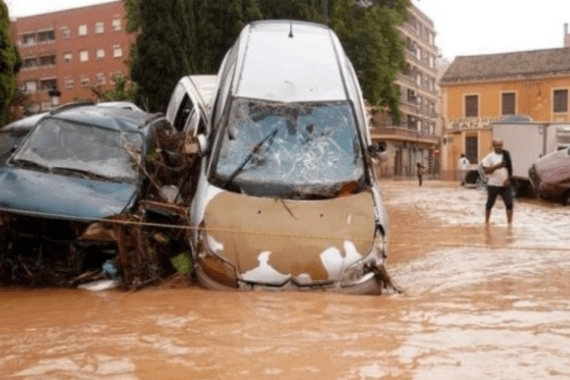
{"points": [[287, 197]]}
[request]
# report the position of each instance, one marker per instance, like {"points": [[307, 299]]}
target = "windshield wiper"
{"points": [[255, 149], [30, 164], [84, 173]]}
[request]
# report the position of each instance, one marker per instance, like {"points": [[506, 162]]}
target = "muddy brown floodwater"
{"points": [[478, 303]]}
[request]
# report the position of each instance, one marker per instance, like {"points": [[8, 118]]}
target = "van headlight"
{"points": [[211, 263], [365, 268]]}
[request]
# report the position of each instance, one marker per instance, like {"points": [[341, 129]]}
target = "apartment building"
{"points": [[478, 90], [72, 51], [416, 138]]}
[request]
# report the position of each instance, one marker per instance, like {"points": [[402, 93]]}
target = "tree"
{"points": [[162, 51], [367, 30], [181, 37], [10, 63], [308, 10], [124, 89], [218, 26]]}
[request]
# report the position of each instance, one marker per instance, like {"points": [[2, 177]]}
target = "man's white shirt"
{"points": [[499, 176]]}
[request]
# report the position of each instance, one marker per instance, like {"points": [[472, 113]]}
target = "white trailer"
{"points": [[527, 141]]}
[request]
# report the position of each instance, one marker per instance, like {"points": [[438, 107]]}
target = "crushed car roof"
{"points": [[118, 118]]}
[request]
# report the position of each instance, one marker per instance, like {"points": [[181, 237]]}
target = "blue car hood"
{"points": [[62, 197]]}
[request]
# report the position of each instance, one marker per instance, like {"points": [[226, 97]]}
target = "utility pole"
{"points": [[326, 12]]}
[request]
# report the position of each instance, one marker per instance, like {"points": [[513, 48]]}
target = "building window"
{"points": [[472, 106], [48, 84], [82, 30], [84, 81], [47, 60], [46, 36], [67, 57], [30, 87], [29, 63], [116, 24], [69, 83], [99, 27], [65, 32], [101, 80], [508, 103], [84, 56], [28, 39], [100, 53], [560, 101], [117, 51]]}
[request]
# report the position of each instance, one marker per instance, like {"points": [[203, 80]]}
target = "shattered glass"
{"points": [[58, 144], [293, 149]]}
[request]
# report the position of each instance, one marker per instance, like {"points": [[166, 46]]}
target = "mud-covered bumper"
{"points": [[372, 284]]}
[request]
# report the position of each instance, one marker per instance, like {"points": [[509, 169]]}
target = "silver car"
{"points": [[287, 196]]}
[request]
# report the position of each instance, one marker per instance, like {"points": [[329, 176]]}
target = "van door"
{"points": [[187, 110]]}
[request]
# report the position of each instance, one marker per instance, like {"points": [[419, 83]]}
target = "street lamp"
{"points": [[54, 95]]}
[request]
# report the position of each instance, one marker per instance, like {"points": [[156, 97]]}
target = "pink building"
{"points": [[71, 50]]}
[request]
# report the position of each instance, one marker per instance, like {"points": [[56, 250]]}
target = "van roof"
{"points": [[291, 61]]}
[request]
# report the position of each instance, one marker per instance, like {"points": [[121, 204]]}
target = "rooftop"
{"points": [[508, 65]]}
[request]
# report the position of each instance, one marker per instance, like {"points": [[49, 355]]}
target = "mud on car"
{"points": [[287, 196], [79, 165]]}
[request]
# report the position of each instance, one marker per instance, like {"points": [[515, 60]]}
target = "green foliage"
{"points": [[162, 53], [182, 262], [10, 63], [371, 40], [124, 89], [218, 26], [182, 37], [308, 10]]}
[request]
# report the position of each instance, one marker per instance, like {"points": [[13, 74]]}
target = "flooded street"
{"points": [[479, 302]]}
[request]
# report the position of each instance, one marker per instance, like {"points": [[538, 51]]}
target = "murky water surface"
{"points": [[479, 303]]}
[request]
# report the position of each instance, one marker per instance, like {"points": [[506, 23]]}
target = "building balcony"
{"points": [[406, 80], [402, 133]]}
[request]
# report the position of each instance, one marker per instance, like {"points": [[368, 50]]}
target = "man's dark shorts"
{"points": [[506, 194]]}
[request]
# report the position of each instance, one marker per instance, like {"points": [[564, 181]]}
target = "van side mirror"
{"points": [[378, 151], [203, 146]]}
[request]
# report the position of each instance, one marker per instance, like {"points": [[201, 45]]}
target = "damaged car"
{"points": [[550, 176], [287, 196], [80, 165]]}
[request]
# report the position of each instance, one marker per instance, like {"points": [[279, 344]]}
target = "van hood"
{"points": [[62, 197], [271, 241]]}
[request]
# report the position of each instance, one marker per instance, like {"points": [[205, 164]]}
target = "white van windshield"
{"points": [[295, 150]]}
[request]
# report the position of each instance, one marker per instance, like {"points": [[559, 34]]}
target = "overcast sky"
{"points": [[464, 27]]}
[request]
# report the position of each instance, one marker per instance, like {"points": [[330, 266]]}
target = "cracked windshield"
{"points": [[293, 149], [63, 145]]}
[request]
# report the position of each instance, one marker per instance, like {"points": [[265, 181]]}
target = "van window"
{"points": [[183, 113], [295, 150]]}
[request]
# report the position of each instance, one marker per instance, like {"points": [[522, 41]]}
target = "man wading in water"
{"points": [[499, 169]]}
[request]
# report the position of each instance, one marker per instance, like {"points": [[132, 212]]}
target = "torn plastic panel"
{"points": [[103, 152], [293, 150]]}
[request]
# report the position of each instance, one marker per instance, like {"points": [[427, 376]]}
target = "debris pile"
{"points": [[147, 246]]}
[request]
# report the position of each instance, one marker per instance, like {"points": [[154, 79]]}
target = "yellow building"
{"points": [[477, 90]]}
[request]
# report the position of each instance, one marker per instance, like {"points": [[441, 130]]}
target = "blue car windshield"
{"points": [[289, 149], [59, 144]]}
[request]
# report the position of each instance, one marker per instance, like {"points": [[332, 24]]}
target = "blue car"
{"points": [[71, 169]]}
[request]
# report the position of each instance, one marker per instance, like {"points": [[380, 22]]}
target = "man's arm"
{"points": [[491, 169], [508, 162]]}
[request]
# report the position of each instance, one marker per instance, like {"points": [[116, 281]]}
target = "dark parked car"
{"points": [[79, 165], [550, 176]]}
